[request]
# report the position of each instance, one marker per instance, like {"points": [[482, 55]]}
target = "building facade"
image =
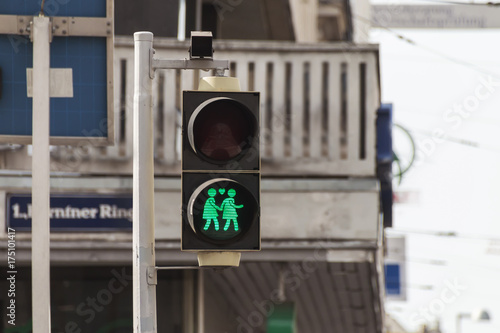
{"points": [[320, 212]]}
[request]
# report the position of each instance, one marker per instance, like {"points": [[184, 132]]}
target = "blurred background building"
{"points": [[322, 231]]}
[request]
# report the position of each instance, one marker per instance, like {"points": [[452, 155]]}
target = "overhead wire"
{"points": [[451, 234], [489, 3], [442, 55], [428, 49], [473, 144], [458, 140], [449, 260], [449, 58]]}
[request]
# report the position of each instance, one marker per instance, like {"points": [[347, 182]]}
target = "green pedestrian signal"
{"points": [[222, 202], [210, 211], [229, 210]]}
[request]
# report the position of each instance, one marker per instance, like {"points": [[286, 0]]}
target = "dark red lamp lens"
{"points": [[223, 130]]}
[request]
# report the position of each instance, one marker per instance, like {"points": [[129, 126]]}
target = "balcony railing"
{"points": [[318, 108]]}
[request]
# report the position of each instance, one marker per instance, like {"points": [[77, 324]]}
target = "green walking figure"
{"points": [[210, 210], [229, 210]]}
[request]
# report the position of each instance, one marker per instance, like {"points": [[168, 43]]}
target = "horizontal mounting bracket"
{"points": [[61, 26], [204, 64]]}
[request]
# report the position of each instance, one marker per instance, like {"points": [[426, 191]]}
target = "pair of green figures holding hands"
{"points": [[228, 209]]}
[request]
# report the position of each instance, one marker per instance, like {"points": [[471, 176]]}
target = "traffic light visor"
{"points": [[221, 129]]}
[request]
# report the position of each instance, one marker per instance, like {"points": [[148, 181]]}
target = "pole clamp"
{"points": [[152, 276]]}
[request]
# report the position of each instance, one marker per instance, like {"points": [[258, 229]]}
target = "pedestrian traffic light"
{"points": [[220, 170]]}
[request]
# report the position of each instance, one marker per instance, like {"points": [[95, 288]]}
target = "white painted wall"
{"points": [[292, 215]]}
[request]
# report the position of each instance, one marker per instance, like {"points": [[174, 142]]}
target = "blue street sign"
{"points": [[85, 115], [392, 280], [74, 212]]}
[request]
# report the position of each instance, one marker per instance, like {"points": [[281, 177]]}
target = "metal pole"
{"points": [[144, 294], [199, 6], [40, 223], [181, 26], [201, 301]]}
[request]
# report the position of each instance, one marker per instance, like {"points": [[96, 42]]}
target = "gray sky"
{"points": [[453, 112]]}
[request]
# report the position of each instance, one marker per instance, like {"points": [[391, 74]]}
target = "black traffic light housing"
{"points": [[220, 171]]}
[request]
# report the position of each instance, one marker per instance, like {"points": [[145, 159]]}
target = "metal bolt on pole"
{"points": [[144, 294]]}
